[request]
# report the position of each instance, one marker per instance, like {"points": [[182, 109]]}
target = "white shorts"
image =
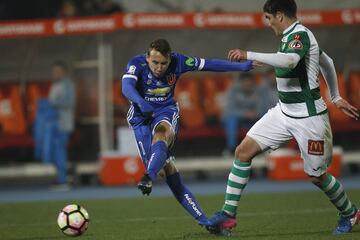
{"points": [[313, 135]]}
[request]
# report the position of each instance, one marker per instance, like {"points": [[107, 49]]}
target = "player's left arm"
{"points": [[215, 65], [327, 69], [218, 65]]}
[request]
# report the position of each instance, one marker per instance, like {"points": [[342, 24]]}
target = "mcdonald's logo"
{"points": [[315, 147]]}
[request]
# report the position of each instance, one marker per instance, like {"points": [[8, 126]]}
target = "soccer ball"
{"points": [[73, 220]]}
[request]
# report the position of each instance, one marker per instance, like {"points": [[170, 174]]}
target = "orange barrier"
{"points": [[286, 164], [191, 112], [336, 115], [354, 85], [118, 98], [214, 90], [120, 170], [12, 118]]}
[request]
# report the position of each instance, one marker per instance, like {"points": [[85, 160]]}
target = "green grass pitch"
{"points": [[301, 215]]}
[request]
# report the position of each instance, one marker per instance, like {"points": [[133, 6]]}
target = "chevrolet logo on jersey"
{"points": [[159, 91]]}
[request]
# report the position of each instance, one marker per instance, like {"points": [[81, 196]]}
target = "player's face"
{"points": [[275, 23], [158, 63]]}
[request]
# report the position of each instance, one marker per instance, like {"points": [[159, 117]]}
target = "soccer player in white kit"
{"points": [[301, 114]]}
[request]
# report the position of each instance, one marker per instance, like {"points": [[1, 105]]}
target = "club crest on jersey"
{"points": [[296, 44], [171, 79], [132, 69]]}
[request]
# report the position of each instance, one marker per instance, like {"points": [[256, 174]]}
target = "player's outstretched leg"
{"points": [[349, 214], [186, 198], [159, 155], [222, 222]]}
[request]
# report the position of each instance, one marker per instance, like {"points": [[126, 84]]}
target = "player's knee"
{"points": [[159, 137], [247, 149], [241, 154], [160, 129], [162, 173], [162, 133], [318, 181], [170, 169]]}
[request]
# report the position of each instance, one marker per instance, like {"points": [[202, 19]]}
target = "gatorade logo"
{"points": [[131, 166]]}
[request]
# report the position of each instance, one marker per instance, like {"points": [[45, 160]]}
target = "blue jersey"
{"points": [[159, 92]]}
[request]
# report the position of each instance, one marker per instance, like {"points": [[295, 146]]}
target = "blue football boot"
{"points": [[345, 225], [221, 223]]}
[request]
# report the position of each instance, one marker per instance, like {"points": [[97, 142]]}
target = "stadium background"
{"points": [[97, 55]]}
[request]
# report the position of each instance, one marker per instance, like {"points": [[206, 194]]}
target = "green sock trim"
{"points": [[333, 189], [338, 198], [232, 197], [242, 164], [349, 212], [345, 204], [235, 184], [230, 209], [327, 181], [240, 173]]}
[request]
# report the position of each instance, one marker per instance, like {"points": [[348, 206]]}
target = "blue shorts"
{"points": [[144, 131]]}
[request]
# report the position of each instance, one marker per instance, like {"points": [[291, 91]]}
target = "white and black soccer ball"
{"points": [[73, 220]]}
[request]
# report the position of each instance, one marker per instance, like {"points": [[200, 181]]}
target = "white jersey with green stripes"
{"points": [[299, 89]]}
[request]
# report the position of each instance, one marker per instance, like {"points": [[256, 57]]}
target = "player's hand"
{"points": [[347, 108], [235, 55], [147, 110], [257, 64]]}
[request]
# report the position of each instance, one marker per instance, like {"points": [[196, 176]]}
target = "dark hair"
{"points": [[61, 64], [160, 45], [287, 7]]}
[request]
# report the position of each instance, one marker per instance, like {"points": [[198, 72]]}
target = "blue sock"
{"points": [[185, 197], [159, 154]]}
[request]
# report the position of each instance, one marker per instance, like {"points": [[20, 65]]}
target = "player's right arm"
{"points": [[129, 90], [282, 60], [288, 57]]}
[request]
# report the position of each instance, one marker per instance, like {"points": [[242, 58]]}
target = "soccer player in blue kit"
{"points": [[149, 83]]}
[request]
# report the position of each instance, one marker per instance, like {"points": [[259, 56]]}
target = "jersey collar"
{"points": [[290, 28]]}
